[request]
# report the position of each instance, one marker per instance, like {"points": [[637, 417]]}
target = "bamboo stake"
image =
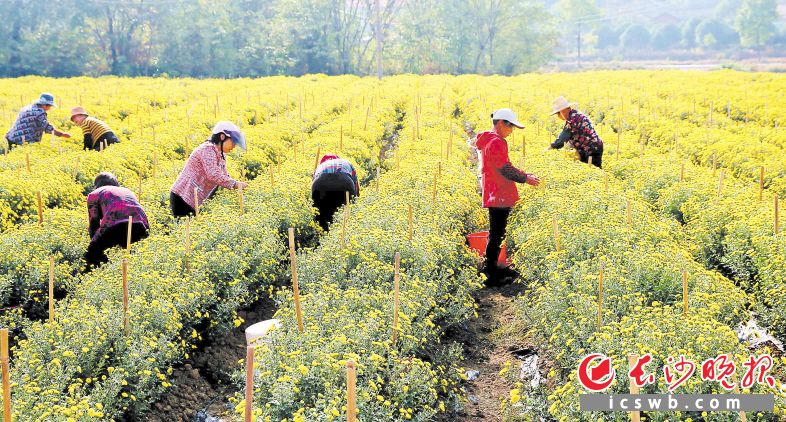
{"points": [[249, 383], [40, 208], [714, 164], [6, 366], [629, 213], [27, 161], [188, 243], [155, 162], [684, 293], [377, 180], [125, 295], [341, 139], [410, 222], [242, 200], [743, 417], [272, 179], [51, 289], [682, 172], [196, 202], [635, 416], [295, 287], [556, 234], [316, 159], [396, 280], [761, 182], [351, 392], [128, 236]]}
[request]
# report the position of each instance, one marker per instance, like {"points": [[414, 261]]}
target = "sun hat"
{"points": [[559, 104], [328, 157], [46, 99], [508, 115], [230, 129], [77, 111]]}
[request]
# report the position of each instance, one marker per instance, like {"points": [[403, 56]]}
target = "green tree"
{"points": [[666, 37], [756, 21]]}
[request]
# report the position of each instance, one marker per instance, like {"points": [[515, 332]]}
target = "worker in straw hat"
{"points": [[97, 133], [206, 170], [32, 122], [578, 132], [498, 179]]}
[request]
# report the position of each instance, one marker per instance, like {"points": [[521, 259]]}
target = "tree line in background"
{"points": [[732, 25], [229, 38], [233, 38]]}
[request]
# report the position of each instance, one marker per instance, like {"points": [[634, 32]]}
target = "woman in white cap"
{"points": [[578, 132], [499, 178], [32, 122], [206, 169]]}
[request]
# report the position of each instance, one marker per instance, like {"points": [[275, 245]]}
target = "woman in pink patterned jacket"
{"points": [[206, 170]]}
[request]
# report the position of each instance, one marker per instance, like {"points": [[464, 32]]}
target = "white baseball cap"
{"points": [[508, 115], [230, 129]]}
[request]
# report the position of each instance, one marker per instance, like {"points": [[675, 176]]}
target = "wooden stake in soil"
{"points": [[272, 179], [316, 159], [27, 161], [40, 208], [128, 235], [351, 392], [341, 139], [125, 295], [396, 279], [629, 214], [410, 222], [51, 289], [295, 287], [6, 367], [556, 234], [249, 383], [743, 417], [684, 293], [682, 172], [242, 200], [196, 202], [188, 243], [634, 389]]}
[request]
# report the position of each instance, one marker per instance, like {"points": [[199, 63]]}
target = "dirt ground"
{"points": [[487, 353], [203, 382]]}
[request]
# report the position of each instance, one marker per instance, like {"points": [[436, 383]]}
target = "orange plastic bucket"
{"points": [[478, 241]]}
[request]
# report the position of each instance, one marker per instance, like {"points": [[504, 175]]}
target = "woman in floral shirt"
{"points": [[109, 207], [578, 132], [206, 170]]}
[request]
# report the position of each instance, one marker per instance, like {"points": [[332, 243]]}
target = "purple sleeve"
{"points": [[94, 213]]}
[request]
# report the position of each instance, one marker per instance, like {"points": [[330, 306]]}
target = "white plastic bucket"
{"points": [[256, 332]]}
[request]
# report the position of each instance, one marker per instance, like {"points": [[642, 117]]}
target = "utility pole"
{"points": [[379, 38]]}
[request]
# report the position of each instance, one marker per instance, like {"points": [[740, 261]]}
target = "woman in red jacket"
{"points": [[499, 178]]}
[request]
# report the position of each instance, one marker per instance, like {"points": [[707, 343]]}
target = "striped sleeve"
{"points": [[96, 128]]}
